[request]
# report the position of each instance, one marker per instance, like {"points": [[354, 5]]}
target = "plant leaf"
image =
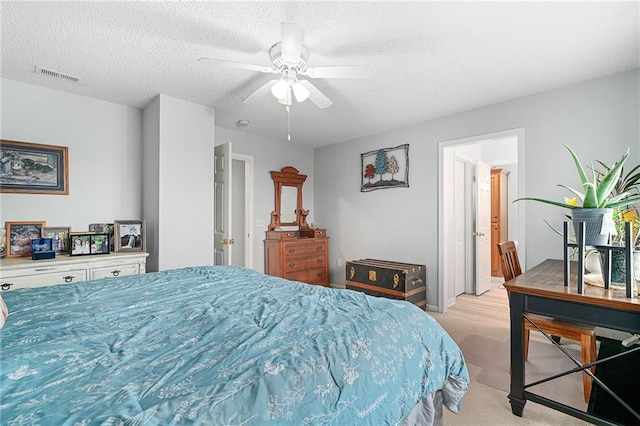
{"points": [[610, 180], [590, 196], [577, 193], [553, 203], [625, 202]]}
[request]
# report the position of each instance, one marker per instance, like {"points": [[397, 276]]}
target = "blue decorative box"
{"points": [[41, 248]]}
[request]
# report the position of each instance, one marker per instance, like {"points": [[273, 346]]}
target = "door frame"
{"points": [[446, 160], [248, 206]]}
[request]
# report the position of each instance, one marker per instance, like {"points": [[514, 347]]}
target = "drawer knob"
{"points": [[291, 265], [68, 278], [6, 286], [115, 273]]}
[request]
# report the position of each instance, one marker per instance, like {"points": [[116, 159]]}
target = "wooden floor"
{"points": [[488, 315]]}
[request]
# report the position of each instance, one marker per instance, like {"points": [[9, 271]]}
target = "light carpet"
{"points": [[544, 360]]}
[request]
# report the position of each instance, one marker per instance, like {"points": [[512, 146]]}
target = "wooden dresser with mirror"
{"points": [[292, 249]]}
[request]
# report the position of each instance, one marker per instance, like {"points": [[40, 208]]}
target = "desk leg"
{"points": [[516, 311]]}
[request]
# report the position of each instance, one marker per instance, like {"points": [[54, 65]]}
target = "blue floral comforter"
{"points": [[218, 345]]}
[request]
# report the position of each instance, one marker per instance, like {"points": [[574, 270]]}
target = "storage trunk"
{"points": [[394, 280]]}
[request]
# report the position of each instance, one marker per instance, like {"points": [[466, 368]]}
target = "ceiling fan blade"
{"points": [[239, 65], [260, 92], [316, 96], [339, 72], [292, 37]]}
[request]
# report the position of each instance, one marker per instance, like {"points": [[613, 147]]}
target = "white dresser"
{"points": [[24, 272]]}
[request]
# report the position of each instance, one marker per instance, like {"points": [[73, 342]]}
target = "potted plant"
{"points": [[595, 205], [627, 183]]}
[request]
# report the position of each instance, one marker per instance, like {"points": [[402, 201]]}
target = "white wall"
{"points": [[104, 141], [599, 119], [270, 154], [184, 185], [106, 166]]}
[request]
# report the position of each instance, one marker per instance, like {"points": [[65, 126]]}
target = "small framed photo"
{"points": [[99, 244], [129, 235], [103, 228], [79, 243], [41, 249], [59, 236], [19, 236]]}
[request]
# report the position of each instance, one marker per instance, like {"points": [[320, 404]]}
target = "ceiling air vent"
{"points": [[56, 74]]}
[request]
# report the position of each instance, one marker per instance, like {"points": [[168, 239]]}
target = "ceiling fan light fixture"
{"points": [[280, 89], [287, 98], [300, 92]]}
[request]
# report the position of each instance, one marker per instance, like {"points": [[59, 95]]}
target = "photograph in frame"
{"points": [[103, 228], [129, 236], [32, 168], [59, 236], [79, 244], [99, 244], [19, 236]]}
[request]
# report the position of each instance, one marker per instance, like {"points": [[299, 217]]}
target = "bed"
{"points": [[221, 345]]}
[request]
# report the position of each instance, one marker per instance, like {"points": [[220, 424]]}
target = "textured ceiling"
{"points": [[430, 58]]}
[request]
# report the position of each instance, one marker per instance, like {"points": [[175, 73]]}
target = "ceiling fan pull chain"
{"points": [[288, 123]]}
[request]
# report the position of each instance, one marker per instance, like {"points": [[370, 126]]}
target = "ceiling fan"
{"points": [[289, 59]]}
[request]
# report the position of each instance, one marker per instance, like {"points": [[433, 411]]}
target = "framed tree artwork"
{"points": [[385, 168]]}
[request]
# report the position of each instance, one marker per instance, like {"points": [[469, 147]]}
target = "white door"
{"points": [[483, 227], [222, 190], [459, 232]]}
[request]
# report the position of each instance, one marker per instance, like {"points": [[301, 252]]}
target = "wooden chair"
{"points": [[583, 333]]}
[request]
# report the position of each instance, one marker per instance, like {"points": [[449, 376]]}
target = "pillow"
{"points": [[3, 312]]}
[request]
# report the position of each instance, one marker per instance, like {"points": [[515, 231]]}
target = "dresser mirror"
{"points": [[288, 204], [288, 199]]}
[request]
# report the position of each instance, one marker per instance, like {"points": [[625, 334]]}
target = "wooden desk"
{"points": [[541, 291]]}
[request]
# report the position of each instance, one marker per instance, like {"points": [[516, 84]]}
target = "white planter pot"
{"points": [[592, 262]]}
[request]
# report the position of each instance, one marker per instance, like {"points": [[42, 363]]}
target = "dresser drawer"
{"points": [[25, 272], [115, 271], [306, 248], [317, 276], [309, 276], [43, 279], [300, 263]]}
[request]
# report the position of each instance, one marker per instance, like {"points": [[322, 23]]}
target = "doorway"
{"points": [[233, 209], [242, 210], [458, 257]]}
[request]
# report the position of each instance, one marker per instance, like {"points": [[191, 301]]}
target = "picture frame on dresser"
{"points": [[19, 236], [79, 243], [59, 235], [99, 244], [103, 228], [129, 236], [33, 168]]}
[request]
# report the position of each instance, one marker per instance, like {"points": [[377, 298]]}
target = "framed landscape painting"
{"points": [[31, 168]]}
